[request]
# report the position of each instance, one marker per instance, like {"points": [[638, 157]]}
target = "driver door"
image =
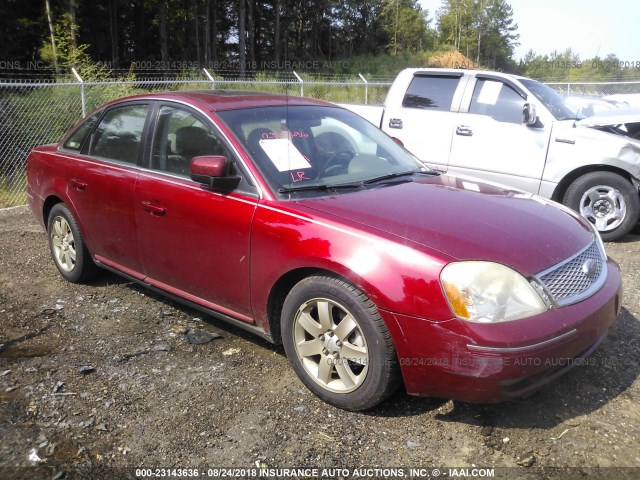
{"points": [[490, 141], [194, 241]]}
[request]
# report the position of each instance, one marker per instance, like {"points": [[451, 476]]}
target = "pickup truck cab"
{"points": [[518, 132]]}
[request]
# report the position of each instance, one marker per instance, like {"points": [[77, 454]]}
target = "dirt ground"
{"points": [[98, 379]]}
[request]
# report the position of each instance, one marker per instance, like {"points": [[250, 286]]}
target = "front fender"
{"points": [[397, 277], [580, 146]]}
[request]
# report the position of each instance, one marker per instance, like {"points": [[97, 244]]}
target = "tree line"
{"points": [[249, 34], [252, 35]]}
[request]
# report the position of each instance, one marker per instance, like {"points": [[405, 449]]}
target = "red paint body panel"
{"points": [[227, 251], [200, 245], [104, 207], [436, 359], [447, 215], [396, 277]]}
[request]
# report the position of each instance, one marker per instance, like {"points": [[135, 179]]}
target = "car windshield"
{"points": [[318, 148], [551, 99]]}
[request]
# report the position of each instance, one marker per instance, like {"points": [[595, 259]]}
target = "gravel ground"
{"points": [[98, 379]]}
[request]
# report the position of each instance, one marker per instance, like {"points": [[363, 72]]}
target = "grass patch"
{"points": [[13, 193]]}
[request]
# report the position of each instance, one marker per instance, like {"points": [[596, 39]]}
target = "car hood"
{"points": [[464, 220], [612, 117]]}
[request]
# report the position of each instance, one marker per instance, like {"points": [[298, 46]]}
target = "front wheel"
{"points": [[607, 200], [338, 344]]}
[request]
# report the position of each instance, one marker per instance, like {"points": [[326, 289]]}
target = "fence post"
{"points": [[82, 99], [301, 83], [213, 81], [568, 89], [366, 89]]}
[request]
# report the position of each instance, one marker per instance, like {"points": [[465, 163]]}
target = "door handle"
{"points": [[395, 123], [153, 209], [464, 130], [78, 184]]}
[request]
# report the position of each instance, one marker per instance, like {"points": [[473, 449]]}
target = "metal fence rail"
{"points": [[35, 113]]}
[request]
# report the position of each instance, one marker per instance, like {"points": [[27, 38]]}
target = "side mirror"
{"points": [[211, 170], [529, 117], [398, 141]]}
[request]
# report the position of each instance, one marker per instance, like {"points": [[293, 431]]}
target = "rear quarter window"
{"points": [[431, 92], [77, 138]]}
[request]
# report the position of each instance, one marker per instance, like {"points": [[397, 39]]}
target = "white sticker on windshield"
{"points": [[284, 154], [490, 92]]}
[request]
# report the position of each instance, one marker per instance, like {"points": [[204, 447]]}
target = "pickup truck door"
{"points": [[490, 140], [425, 118]]}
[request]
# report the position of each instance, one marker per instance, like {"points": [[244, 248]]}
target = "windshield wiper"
{"points": [[399, 174], [320, 187]]}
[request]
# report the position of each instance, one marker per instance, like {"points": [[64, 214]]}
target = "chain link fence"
{"points": [[595, 89], [35, 113]]}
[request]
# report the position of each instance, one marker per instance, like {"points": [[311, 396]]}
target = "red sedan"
{"points": [[302, 222]]}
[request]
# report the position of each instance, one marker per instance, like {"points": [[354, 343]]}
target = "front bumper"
{"points": [[491, 363]]}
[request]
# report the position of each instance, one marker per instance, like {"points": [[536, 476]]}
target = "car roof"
{"points": [[219, 100]]}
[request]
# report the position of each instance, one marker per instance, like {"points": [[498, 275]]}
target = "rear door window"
{"points": [[431, 92], [118, 136]]}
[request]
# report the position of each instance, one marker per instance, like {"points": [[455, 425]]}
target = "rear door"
{"points": [[425, 119], [491, 142], [194, 241], [101, 183]]}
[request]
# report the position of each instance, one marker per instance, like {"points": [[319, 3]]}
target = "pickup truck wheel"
{"points": [[67, 246], [607, 200], [338, 344]]}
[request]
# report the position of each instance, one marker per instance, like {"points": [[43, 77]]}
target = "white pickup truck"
{"points": [[518, 132]]}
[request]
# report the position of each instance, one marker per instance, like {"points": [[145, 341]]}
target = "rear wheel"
{"points": [[607, 200], [67, 246], [338, 344]]}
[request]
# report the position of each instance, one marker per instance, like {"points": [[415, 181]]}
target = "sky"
{"points": [[589, 27]]}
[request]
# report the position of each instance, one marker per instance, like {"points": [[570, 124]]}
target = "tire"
{"points": [[607, 200], [67, 246], [338, 344]]}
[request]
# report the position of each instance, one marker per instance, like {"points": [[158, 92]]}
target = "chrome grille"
{"points": [[577, 277]]}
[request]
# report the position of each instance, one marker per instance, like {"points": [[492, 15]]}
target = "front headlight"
{"points": [[487, 292]]}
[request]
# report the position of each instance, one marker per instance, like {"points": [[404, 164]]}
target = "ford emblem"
{"points": [[590, 267]]}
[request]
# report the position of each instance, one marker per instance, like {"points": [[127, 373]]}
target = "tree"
{"points": [[54, 52], [405, 24], [162, 21], [483, 28], [242, 40]]}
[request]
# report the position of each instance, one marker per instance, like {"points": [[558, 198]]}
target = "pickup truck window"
{"points": [[551, 99], [433, 92], [118, 135], [498, 101]]}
